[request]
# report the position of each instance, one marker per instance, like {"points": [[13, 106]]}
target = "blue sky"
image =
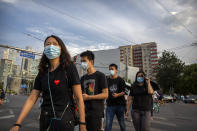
{"points": [[101, 24]]}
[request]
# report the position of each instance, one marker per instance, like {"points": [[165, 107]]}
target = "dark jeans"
{"points": [[93, 122], [111, 111], [141, 120]]}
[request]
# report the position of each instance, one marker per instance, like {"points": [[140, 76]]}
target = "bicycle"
{"points": [[162, 102], [156, 107]]}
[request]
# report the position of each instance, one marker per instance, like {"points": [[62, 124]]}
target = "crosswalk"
{"points": [[6, 114], [164, 123], [157, 120]]}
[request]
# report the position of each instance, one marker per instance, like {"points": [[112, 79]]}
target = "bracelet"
{"points": [[19, 125], [82, 123]]}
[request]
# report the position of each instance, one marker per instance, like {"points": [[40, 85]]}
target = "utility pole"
{"points": [[126, 67]]}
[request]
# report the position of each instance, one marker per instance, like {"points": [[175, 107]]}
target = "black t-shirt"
{"points": [[61, 80], [116, 86], [141, 99], [93, 85]]}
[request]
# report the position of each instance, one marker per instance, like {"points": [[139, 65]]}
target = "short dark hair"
{"points": [[88, 54], [114, 65]]}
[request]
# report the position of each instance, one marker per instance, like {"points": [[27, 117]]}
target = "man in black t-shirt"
{"points": [[116, 100], [94, 86]]}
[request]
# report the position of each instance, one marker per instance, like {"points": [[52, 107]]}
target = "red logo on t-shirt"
{"points": [[56, 82]]}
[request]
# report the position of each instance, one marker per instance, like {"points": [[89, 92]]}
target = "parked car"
{"points": [[190, 99], [168, 98]]}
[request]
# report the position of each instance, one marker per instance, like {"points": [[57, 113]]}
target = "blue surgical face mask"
{"points": [[140, 79], [111, 72], [84, 65], [52, 51]]}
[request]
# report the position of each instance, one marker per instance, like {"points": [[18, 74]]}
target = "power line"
{"points": [[32, 36], [96, 27], [184, 26], [26, 34], [178, 47], [187, 56], [37, 38]]}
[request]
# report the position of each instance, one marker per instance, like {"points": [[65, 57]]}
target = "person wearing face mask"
{"points": [[57, 80], [141, 99], [116, 101], [95, 91]]}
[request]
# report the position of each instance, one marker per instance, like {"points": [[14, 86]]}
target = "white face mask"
{"points": [[84, 65], [112, 72]]}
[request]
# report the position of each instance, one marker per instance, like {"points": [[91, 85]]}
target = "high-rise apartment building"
{"points": [[34, 67], [149, 59], [5, 68], [126, 55], [137, 56], [143, 56], [8, 54]]}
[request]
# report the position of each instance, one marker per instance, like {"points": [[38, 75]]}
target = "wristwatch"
{"points": [[82, 123], [19, 125]]}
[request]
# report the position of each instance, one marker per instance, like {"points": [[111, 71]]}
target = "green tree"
{"points": [[129, 81], [188, 80], [1, 85], [169, 71]]}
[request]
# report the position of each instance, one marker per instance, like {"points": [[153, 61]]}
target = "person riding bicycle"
{"points": [[156, 96], [156, 101]]}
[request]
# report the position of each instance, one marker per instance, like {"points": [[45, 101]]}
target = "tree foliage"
{"points": [[169, 71], [1, 85], [188, 80]]}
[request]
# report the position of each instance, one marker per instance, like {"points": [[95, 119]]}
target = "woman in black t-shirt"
{"points": [[141, 99], [58, 80]]}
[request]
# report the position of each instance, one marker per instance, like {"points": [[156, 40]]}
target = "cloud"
{"points": [[184, 14], [75, 49], [37, 31], [86, 25], [69, 39], [9, 1], [173, 12]]}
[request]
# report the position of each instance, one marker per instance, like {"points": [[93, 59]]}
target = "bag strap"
{"points": [[53, 103], [51, 97]]}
